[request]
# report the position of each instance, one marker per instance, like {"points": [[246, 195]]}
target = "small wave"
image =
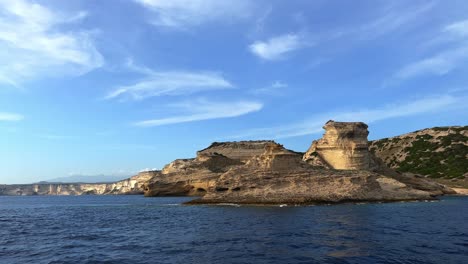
{"points": [[229, 204]]}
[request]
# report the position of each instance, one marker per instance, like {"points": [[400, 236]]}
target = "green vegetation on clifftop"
{"points": [[437, 152]]}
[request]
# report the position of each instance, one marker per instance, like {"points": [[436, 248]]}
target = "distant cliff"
{"points": [[133, 185], [435, 152]]}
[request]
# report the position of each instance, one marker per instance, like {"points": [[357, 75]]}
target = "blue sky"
{"points": [[114, 87]]}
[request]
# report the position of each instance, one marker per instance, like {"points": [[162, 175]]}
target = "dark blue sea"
{"points": [[134, 229]]}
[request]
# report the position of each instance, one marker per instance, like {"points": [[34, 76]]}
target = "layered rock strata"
{"points": [[344, 146], [190, 177], [279, 176], [241, 150]]}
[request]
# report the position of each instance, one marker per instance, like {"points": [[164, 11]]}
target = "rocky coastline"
{"points": [[337, 168], [133, 185]]}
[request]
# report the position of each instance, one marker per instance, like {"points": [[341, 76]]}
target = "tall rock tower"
{"points": [[344, 146]]}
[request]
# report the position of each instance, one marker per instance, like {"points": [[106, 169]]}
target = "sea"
{"points": [[135, 229]]}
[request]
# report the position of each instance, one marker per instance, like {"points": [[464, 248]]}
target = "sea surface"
{"points": [[134, 229]]}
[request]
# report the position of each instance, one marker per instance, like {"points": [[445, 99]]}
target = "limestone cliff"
{"points": [[281, 176], [190, 177], [344, 146], [133, 185], [337, 168], [241, 150]]}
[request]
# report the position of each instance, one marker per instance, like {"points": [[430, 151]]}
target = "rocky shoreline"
{"points": [[338, 168]]}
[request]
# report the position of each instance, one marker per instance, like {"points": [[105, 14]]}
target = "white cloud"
{"points": [[10, 117], [32, 44], [205, 110], [277, 47], [181, 14], [147, 170], [273, 89], [400, 109], [170, 83], [394, 18]]}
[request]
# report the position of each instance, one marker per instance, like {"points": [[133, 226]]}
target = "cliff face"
{"points": [[234, 172], [133, 185], [241, 150], [435, 152], [190, 177], [281, 176], [344, 146]]}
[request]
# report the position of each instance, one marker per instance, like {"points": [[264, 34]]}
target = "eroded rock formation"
{"points": [[344, 146], [190, 177], [281, 176], [336, 168], [241, 150]]}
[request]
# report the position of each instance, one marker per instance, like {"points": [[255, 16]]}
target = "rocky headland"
{"points": [[336, 168]]}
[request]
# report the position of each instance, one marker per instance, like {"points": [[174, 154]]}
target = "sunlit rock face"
{"points": [[344, 146], [240, 150], [190, 177], [280, 176]]}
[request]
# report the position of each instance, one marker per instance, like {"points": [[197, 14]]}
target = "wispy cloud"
{"points": [[204, 110], [10, 117], [439, 64], [459, 28], [32, 45], [181, 14], [273, 89], [399, 109], [393, 18], [452, 53], [169, 83], [277, 47]]}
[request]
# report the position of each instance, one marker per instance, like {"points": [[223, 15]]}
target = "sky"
{"points": [[115, 87]]}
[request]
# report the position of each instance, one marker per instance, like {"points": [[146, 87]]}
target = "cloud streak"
{"points": [[439, 64], [31, 44], [182, 14], [170, 83], [12, 117], [274, 89], [395, 110], [448, 58], [204, 110], [277, 47]]}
